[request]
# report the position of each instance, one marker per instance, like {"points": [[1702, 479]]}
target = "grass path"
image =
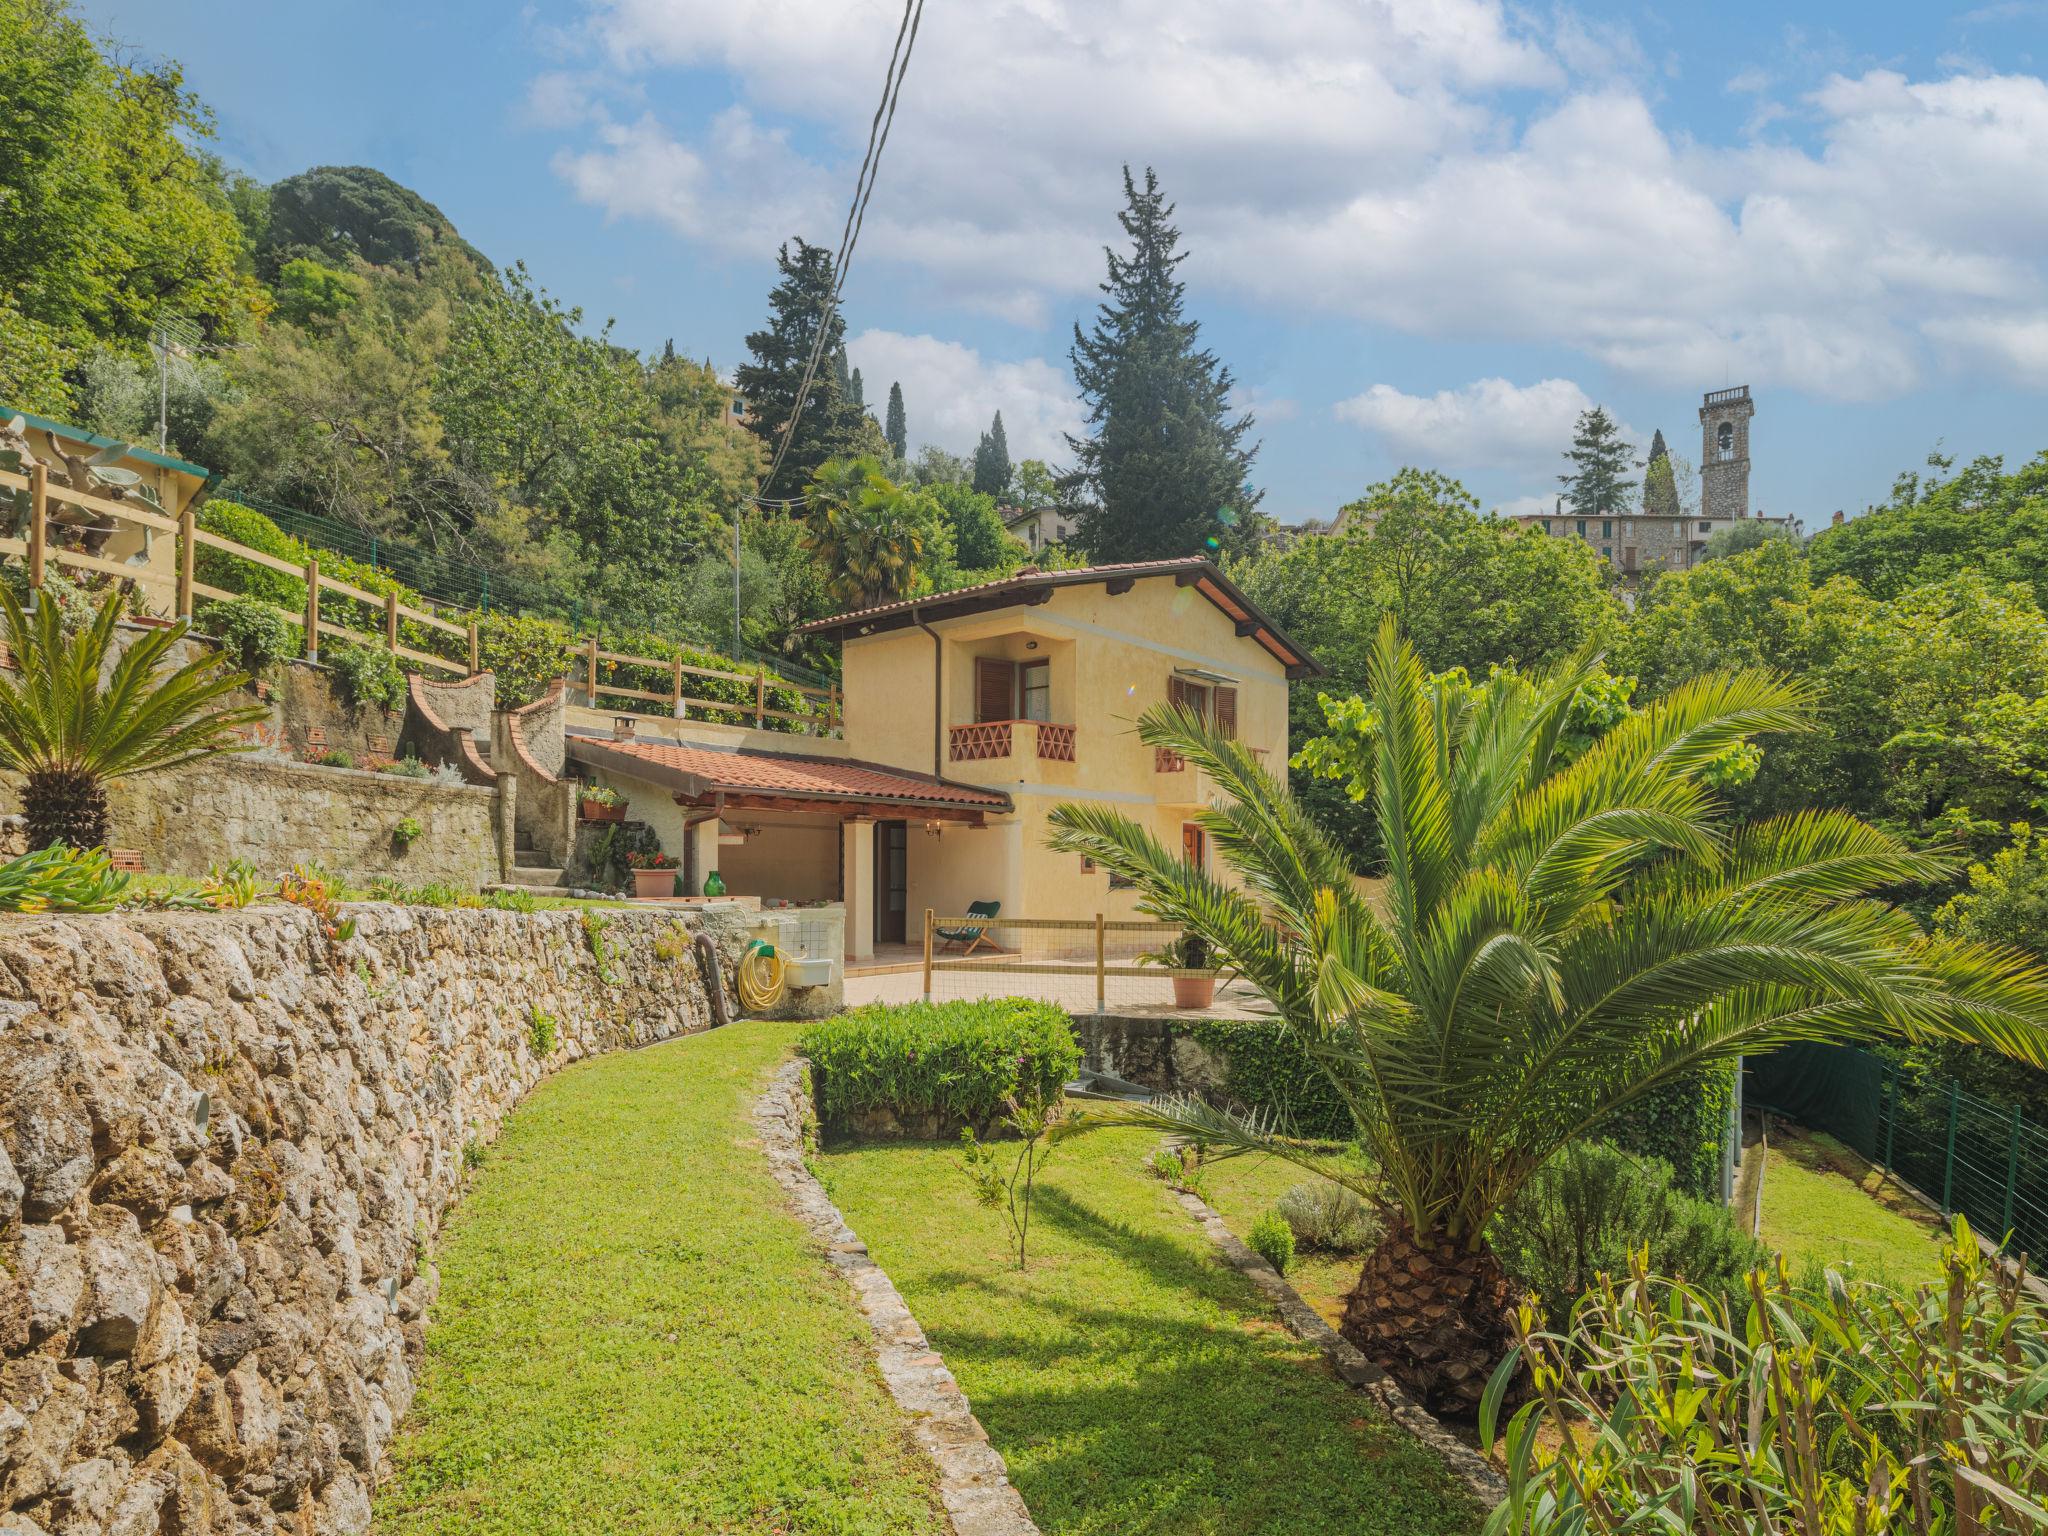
{"points": [[1134, 1384], [1825, 1205], [632, 1335]]}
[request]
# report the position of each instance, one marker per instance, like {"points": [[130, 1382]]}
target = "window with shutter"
{"points": [[1188, 695], [995, 689], [1226, 712]]}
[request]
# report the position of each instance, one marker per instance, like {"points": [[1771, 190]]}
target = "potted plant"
{"points": [[601, 803], [1190, 952], [654, 874]]}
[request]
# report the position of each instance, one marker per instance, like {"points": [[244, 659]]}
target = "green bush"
{"points": [[961, 1060], [231, 573], [523, 655], [256, 636], [1590, 1205], [368, 677], [511, 901], [1328, 1218], [1272, 1239], [1683, 1123], [540, 1033], [336, 759], [407, 768], [1267, 1068]]}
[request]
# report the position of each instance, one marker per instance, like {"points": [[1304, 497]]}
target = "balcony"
{"points": [[993, 740]]}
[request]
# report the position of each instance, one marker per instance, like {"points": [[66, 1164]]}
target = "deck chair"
{"points": [[973, 935]]}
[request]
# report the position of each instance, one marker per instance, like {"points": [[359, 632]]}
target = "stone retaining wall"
{"points": [[226, 1146]]}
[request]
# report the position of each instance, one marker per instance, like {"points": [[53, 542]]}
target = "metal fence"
{"points": [[1967, 1155]]}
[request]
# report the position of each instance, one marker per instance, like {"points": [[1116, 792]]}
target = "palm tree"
{"points": [[1554, 940], [860, 529], [70, 720]]}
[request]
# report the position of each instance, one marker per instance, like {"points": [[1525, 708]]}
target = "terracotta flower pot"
{"points": [[1194, 991], [653, 884], [597, 810]]}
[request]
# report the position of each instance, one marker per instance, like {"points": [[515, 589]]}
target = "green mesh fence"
{"points": [[1989, 1163]]}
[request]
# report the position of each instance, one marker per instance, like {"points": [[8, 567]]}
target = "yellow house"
{"points": [[969, 715]]}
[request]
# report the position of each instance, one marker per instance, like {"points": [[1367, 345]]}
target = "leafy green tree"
{"points": [[72, 716], [980, 541], [1553, 944], [992, 460], [1749, 533], [1981, 519], [1597, 485], [865, 534], [1033, 486], [1164, 464], [831, 425], [897, 430], [339, 214], [935, 466], [308, 292], [1660, 484]]}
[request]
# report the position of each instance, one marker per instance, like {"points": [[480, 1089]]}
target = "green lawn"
{"points": [[633, 1335], [1825, 1205], [1134, 1384]]}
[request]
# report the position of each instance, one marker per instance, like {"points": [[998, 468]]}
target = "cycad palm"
{"points": [[66, 731], [1554, 940], [860, 529]]}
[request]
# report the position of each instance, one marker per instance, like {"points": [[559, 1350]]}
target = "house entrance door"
{"points": [[892, 881]]}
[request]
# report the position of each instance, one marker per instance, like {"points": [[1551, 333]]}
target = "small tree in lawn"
{"points": [[69, 722], [1039, 1123]]}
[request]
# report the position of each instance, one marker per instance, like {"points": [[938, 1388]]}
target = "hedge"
{"points": [[957, 1060], [1685, 1123], [1267, 1068]]}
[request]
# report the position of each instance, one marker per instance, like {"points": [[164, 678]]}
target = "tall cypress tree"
{"points": [[1164, 466], [992, 460], [831, 424], [859, 391], [1660, 485], [897, 429], [1597, 485]]}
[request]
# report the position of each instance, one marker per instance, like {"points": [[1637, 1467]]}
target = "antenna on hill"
{"points": [[170, 333]]}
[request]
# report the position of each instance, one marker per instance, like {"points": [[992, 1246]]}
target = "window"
{"points": [[1035, 691], [1627, 528], [1606, 551], [1059, 532], [1194, 845], [1606, 527], [1545, 525], [1188, 695], [1582, 527], [995, 689], [1119, 882], [1724, 439], [1705, 526]]}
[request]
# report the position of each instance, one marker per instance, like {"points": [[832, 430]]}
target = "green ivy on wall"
{"points": [[1266, 1068]]}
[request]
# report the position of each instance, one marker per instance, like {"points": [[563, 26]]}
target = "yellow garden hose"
{"points": [[759, 977]]}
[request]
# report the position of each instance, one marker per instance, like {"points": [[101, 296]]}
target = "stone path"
{"points": [[974, 1484]]}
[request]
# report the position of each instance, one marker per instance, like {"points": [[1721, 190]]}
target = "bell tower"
{"points": [[1724, 452]]}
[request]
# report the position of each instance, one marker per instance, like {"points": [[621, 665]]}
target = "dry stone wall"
{"points": [[226, 1146]]}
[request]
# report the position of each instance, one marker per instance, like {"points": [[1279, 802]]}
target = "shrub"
{"points": [[540, 1033], [407, 768], [961, 1060], [1166, 1164], [1266, 1068], [1328, 1218], [255, 636], [1272, 1239], [511, 901], [60, 879], [336, 759], [1684, 1123], [1865, 1408], [369, 677], [523, 655], [407, 832], [230, 886], [1582, 1213], [245, 525]]}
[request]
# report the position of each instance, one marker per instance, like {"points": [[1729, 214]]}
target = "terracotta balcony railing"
{"points": [[992, 739]]}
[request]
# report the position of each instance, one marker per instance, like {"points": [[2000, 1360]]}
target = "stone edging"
{"points": [[1465, 1464], [974, 1484]]}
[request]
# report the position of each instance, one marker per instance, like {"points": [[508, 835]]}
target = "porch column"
{"points": [[700, 857], [857, 887]]}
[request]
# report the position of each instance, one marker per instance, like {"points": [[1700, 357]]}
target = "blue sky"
{"points": [[1422, 231]]}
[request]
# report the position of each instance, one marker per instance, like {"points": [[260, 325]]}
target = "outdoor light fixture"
{"points": [[1030, 645]]}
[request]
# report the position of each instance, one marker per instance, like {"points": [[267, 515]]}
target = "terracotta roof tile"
{"points": [[711, 770]]}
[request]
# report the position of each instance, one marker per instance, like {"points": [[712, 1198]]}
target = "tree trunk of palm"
{"points": [[68, 808], [1433, 1315]]}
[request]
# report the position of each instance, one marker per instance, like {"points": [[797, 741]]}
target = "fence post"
{"points": [[2012, 1175], [313, 610], [38, 522], [1889, 1103], [1948, 1163], [1101, 973], [927, 954], [832, 711], [675, 689], [187, 551], [473, 668], [760, 696], [391, 622], [590, 683]]}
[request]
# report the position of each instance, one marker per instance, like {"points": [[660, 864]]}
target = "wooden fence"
{"points": [[57, 509], [1086, 958]]}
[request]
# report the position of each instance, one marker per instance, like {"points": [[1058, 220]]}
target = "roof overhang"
{"points": [[1037, 587]]}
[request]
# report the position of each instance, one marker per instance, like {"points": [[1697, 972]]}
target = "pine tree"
{"points": [[1164, 467], [1597, 485], [859, 391], [992, 460], [830, 425], [897, 430], [1660, 485]]}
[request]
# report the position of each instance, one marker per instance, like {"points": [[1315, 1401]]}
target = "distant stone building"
{"points": [[1639, 543], [1038, 526]]}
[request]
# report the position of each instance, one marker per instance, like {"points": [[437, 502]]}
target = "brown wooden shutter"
{"points": [[1226, 712], [1188, 695], [995, 689]]}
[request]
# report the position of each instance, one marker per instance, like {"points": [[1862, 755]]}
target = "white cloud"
{"points": [[1453, 168], [951, 392], [1490, 423]]}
